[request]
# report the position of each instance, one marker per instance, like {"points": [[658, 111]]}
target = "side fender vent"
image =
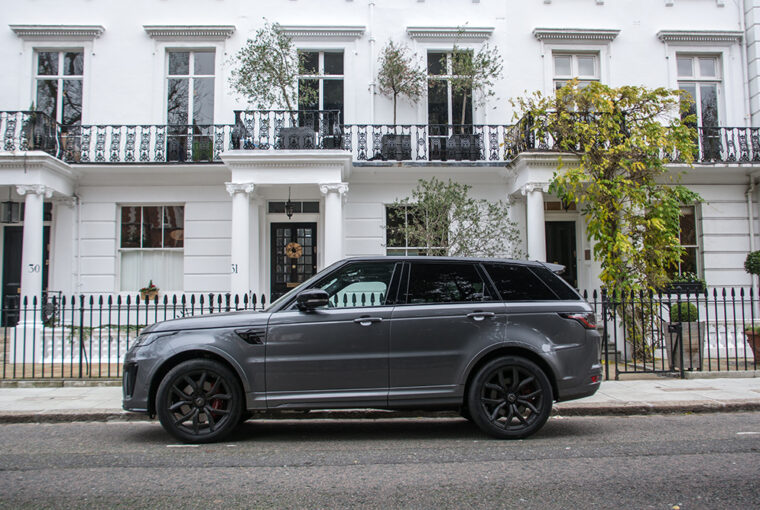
{"points": [[253, 336]]}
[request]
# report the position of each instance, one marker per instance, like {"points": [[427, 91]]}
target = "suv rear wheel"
{"points": [[510, 398], [199, 401]]}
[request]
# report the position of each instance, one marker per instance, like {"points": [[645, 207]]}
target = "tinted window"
{"points": [[446, 283], [360, 284], [518, 283], [560, 287]]}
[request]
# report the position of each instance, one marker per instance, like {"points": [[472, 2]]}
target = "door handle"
{"points": [[367, 321], [479, 316]]}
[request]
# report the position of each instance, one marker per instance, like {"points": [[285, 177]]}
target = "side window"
{"points": [[558, 285], [359, 284], [518, 283], [434, 282]]}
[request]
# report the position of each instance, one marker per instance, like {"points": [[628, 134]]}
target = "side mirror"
{"points": [[311, 299]]}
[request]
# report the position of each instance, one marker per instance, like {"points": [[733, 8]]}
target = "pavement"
{"points": [[98, 400]]}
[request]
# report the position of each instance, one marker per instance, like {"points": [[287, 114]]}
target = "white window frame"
{"points": [[697, 79], [406, 248], [447, 77], [321, 76], [574, 67], [698, 240], [191, 76], [59, 77]]}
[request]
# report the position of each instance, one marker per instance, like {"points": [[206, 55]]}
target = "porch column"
{"points": [[536, 227], [333, 193], [31, 250], [240, 257]]}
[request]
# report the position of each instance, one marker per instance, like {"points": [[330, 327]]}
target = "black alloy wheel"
{"points": [[510, 398], [199, 401]]}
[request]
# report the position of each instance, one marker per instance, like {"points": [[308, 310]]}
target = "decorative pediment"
{"points": [[189, 32], [700, 36], [58, 32], [450, 34], [575, 34], [323, 32]]}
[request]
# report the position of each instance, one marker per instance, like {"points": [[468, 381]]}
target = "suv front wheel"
{"points": [[510, 398], [199, 401]]}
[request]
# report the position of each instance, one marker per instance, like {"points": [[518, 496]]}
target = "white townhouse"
{"points": [[125, 157]]}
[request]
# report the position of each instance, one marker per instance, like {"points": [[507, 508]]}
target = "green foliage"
{"points": [[684, 312], [447, 221], [687, 278], [400, 74], [267, 69], [752, 262], [476, 72], [629, 201], [749, 328]]}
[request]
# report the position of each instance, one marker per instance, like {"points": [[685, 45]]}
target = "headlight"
{"points": [[149, 338]]}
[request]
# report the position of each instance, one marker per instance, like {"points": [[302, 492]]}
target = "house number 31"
{"points": [[234, 268]]}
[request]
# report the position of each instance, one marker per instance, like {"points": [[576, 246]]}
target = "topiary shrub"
{"points": [[752, 262], [683, 312]]}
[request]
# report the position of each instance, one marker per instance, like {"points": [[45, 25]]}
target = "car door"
{"points": [[447, 313], [335, 355]]}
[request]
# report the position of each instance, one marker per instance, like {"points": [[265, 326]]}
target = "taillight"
{"points": [[586, 319]]}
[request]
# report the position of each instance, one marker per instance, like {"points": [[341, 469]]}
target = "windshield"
{"points": [[292, 292]]}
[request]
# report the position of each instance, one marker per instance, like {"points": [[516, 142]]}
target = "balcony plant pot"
{"points": [[463, 147], [146, 295], [752, 336], [296, 138], [693, 336], [396, 147]]}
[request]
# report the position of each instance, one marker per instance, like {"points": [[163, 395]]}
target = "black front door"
{"points": [[12, 244], [294, 255], [560, 248]]}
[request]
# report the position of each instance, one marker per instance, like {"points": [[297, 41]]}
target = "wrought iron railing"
{"points": [[713, 144]]}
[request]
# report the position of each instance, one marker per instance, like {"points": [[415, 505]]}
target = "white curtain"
{"points": [[164, 267]]}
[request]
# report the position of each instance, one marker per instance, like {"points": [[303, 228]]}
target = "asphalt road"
{"points": [[689, 461]]}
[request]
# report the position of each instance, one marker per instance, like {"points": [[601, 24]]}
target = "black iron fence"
{"points": [[88, 336], [708, 331]]}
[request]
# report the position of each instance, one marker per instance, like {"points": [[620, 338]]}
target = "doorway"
{"points": [[294, 256], [13, 241], [561, 248]]}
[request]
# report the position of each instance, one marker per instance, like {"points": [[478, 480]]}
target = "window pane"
{"points": [[164, 268], [333, 100], [688, 226], [361, 284], [130, 227], [563, 65], [334, 63], [707, 68], [690, 91], [311, 207], [73, 63], [309, 62], [436, 63], [709, 104], [438, 102], [308, 94], [72, 102], [556, 283], [174, 222], [395, 219], [47, 63], [518, 283], [689, 261], [47, 93], [203, 101], [151, 221], [177, 101], [179, 62], [462, 107], [685, 68], [587, 66], [204, 62], [445, 283]]}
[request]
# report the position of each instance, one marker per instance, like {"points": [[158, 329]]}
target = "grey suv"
{"points": [[497, 340]]}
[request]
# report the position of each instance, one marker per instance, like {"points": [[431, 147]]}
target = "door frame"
{"points": [[270, 233], [580, 270]]}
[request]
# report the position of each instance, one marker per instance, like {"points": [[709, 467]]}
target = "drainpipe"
{"points": [[78, 278], [745, 67], [372, 84]]}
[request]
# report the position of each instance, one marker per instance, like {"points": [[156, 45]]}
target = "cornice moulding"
{"points": [[58, 32], [189, 32], [699, 36], [323, 32], [468, 34], [575, 34]]}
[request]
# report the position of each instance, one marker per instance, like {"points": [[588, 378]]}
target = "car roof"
{"points": [[552, 267]]}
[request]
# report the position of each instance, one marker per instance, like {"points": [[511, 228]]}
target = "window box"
{"points": [[396, 147], [684, 288]]}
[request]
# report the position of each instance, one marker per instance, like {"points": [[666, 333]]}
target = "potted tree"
{"points": [[266, 74], [400, 75], [472, 75], [752, 332], [684, 316]]}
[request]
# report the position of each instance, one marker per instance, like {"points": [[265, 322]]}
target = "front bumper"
{"points": [[138, 372]]}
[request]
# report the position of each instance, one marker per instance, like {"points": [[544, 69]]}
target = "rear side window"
{"points": [[442, 282], [560, 287], [518, 283]]}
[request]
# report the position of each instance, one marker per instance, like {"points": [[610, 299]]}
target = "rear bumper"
{"points": [[586, 386]]}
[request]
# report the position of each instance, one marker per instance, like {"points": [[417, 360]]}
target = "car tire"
{"points": [[510, 398], [199, 401]]}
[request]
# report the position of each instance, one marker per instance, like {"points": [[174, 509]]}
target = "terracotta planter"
{"points": [[753, 339], [148, 295]]}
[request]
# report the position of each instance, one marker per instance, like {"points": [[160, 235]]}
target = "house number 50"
{"points": [[34, 268]]}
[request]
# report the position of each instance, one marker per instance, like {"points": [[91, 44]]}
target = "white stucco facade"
{"points": [[228, 222]]}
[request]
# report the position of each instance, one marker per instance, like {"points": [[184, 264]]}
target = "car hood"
{"points": [[209, 321]]}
